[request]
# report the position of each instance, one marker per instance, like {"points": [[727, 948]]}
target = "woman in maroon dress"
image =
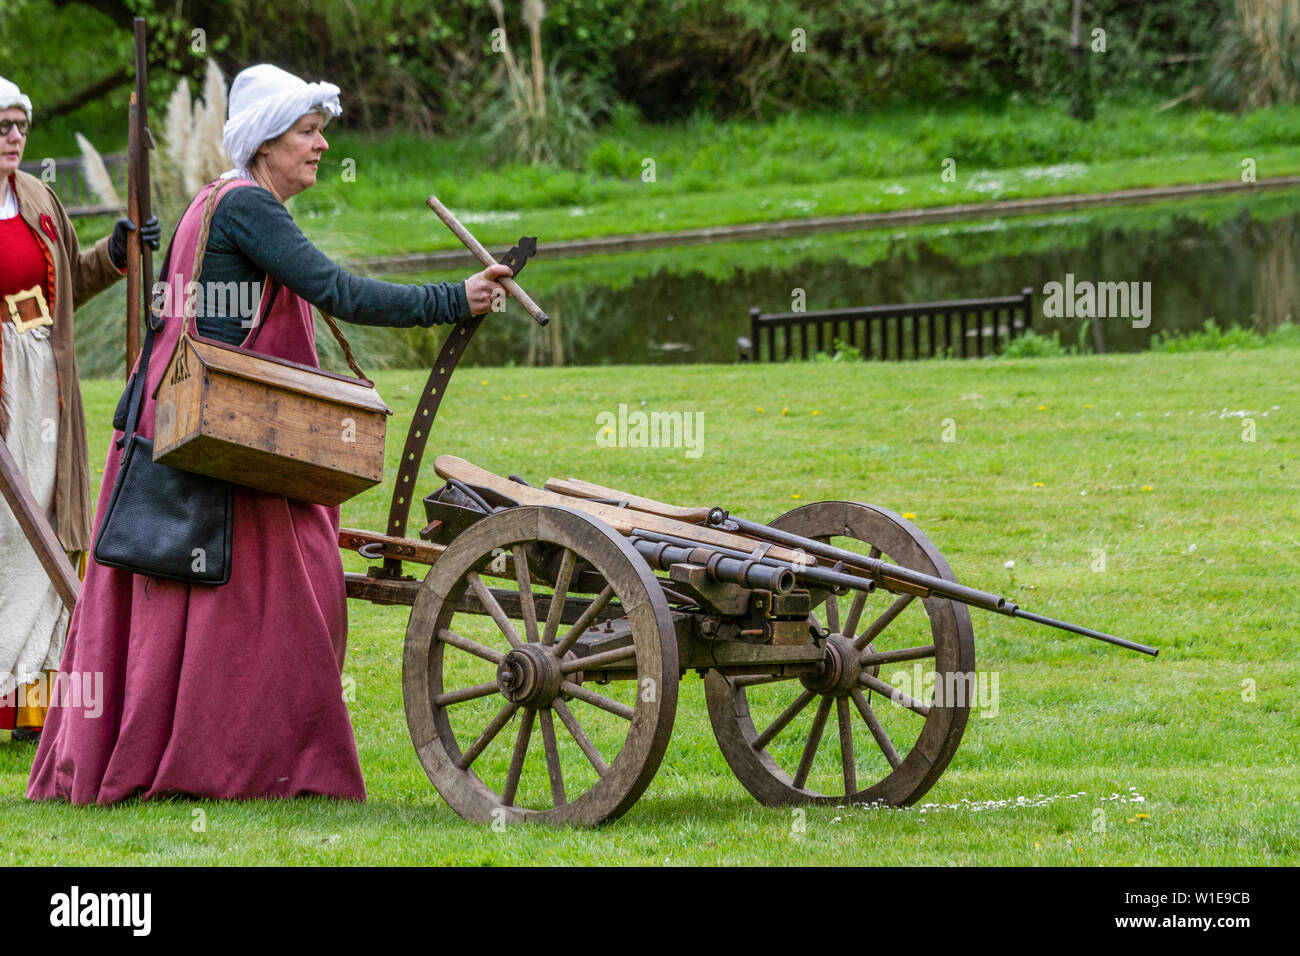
{"points": [[235, 691]]}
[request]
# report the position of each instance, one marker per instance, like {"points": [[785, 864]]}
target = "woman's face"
{"points": [[11, 146], [290, 160]]}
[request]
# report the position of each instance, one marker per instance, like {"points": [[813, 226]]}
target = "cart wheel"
{"points": [[884, 654], [488, 667]]}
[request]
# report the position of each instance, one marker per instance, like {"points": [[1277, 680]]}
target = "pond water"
{"points": [[1233, 260]]}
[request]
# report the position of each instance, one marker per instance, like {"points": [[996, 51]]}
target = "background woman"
{"points": [[44, 275], [235, 691]]}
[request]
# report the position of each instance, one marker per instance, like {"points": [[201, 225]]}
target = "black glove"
{"points": [[151, 234]]}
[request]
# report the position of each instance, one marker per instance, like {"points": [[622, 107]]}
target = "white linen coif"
{"points": [[264, 102], [10, 95]]}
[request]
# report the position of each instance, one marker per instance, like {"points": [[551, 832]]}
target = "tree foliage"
{"points": [[412, 65]]}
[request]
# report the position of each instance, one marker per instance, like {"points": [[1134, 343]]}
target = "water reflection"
{"points": [[1227, 260]]}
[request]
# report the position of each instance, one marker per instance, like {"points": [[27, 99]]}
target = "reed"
{"points": [[534, 11], [546, 116]]}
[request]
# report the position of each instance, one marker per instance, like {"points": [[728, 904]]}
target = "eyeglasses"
{"points": [[22, 125]]}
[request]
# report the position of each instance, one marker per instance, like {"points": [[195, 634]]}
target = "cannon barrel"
{"points": [[812, 574], [898, 579], [662, 555]]}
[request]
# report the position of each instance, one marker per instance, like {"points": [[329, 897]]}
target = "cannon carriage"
{"points": [[553, 625], [543, 614]]}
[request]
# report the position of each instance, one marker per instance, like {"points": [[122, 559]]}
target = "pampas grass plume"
{"points": [[210, 159], [97, 178], [176, 133], [193, 132]]}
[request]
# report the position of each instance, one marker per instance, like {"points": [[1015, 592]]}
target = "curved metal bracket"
{"points": [[418, 434]]}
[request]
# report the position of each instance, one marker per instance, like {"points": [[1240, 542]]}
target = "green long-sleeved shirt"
{"points": [[253, 236]]}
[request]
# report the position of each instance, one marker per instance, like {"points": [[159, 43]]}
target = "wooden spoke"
{"points": [[494, 609], [814, 741], [847, 757], [471, 647], [882, 622], [939, 637], [467, 693], [584, 621], [517, 758], [596, 700], [526, 603], [489, 734], [485, 772], [855, 612], [894, 694], [567, 561], [552, 759], [902, 654], [787, 715], [598, 661], [873, 724], [580, 737]]}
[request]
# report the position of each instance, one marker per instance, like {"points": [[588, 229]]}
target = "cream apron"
{"points": [[33, 620]]}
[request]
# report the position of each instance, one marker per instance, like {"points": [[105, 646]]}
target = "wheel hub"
{"points": [[840, 669], [530, 676]]}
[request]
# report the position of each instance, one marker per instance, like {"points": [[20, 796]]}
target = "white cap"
{"points": [[10, 96], [264, 102]]}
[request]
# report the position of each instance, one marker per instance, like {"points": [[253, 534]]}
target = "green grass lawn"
{"points": [[401, 223], [1140, 456], [636, 177]]}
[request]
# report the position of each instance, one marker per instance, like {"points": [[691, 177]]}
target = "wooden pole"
{"points": [[133, 292], [37, 529], [139, 141], [485, 257]]}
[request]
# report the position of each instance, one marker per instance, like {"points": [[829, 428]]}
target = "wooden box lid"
{"points": [[293, 376]]}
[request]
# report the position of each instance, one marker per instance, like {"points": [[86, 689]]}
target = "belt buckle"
{"points": [[40, 312]]}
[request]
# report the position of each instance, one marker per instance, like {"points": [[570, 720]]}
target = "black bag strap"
{"points": [[137, 388]]}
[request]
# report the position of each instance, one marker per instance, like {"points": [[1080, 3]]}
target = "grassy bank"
{"points": [[586, 291], [369, 197], [1141, 456]]}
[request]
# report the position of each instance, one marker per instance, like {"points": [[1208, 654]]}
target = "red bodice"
{"points": [[22, 263]]}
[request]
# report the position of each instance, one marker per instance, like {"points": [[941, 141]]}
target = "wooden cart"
{"points": [[835, 644]]}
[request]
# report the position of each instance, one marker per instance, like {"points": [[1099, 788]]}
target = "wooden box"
{"points": [[269, 423]]}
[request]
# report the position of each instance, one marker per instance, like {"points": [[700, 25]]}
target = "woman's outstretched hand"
{"points": [[484, 291]]}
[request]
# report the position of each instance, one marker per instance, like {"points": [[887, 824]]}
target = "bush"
{"points": [[1033, 345], [1257, 60], [433, 68], [844, 352], [560, 136], [613, 159], [1211, 338]]}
